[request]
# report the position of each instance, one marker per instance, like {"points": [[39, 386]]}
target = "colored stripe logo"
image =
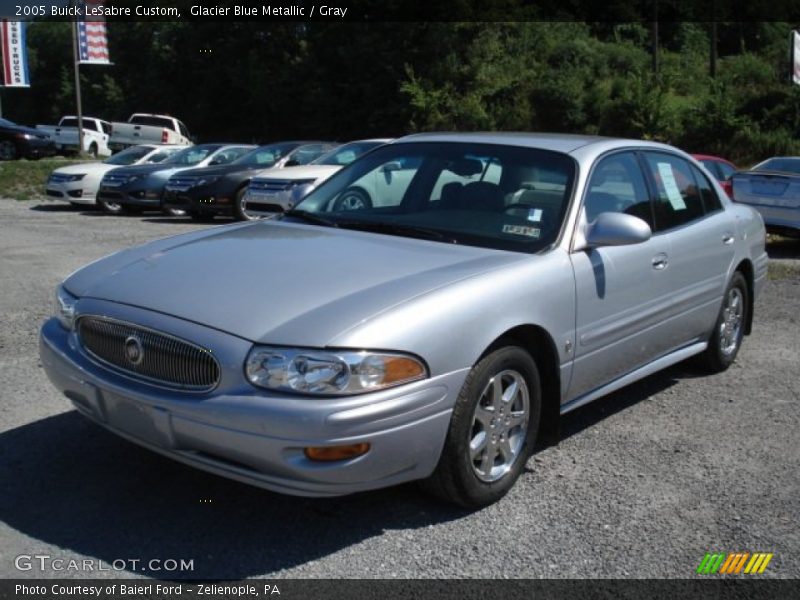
{"points": [[734, 563]]}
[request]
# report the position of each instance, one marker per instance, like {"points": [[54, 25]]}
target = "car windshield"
{"points": [[161, 155], [344, 155], [264, 156], [190, 156], [784, 165], [129, 155], [493, 196]]}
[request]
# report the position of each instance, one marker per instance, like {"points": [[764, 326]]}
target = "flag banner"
{"points": [[796, 57], [92, 38], [15, 54]]}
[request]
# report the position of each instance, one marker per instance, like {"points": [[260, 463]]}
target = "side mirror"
{"points": [[616, 229], [392, 166], [292, 162]]}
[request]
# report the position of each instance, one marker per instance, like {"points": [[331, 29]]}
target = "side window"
{"points": [[183, 130], [618, 185], [678, 199], [726, 170], [712, 167], [710, 200]]}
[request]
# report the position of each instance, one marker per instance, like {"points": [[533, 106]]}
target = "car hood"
{"points": [[301, 172], [151, 169], [82, 168], [278, 282], [218, 170]]}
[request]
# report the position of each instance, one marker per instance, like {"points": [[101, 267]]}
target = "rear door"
{"points": [[689, 212]]}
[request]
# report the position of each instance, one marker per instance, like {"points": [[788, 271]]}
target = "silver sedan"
{"points": [[490, 284]]}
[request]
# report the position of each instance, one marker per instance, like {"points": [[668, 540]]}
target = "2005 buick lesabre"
{"points": [[472, 288]]}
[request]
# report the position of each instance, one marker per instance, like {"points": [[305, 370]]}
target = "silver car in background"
{"points": [[495, 282], [773, 188]]}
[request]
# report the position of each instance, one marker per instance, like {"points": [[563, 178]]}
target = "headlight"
{"points": [[206, 181], [330, 372], [26, 136], [300, 190], [64, 309]]}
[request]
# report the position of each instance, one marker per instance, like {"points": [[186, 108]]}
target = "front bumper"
{"points": [[198, 200], [251, 435], [37, 148], [135, 196], [72, 191]]}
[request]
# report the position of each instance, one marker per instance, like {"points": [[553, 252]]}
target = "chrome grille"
{"points": [[163, 359], [270, 185], [180, 184]]}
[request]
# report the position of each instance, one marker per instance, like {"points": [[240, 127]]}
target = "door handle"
{"points": [[727, 239], [660, 262]]}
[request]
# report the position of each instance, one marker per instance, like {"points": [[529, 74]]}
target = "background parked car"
{"points": [[18, 141], [720, 168], [140, 186], [210, 191], [273, 191], [773, 188], [78, 183], [144, 128], [96, 133]]}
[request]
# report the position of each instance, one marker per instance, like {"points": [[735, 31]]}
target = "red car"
{"points": [[720, 168]]}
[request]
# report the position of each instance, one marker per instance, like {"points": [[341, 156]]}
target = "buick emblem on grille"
{"points": [[134, 351]]}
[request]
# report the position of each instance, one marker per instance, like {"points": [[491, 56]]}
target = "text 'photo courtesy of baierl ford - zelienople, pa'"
{"points": [[386, 299]]}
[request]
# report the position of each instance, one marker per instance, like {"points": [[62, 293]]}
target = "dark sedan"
{"points": [[17, 141], [206, 192], [139, 187]]}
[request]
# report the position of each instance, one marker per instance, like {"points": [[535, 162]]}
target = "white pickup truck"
{"points": [[96, 134], [148, 129]]}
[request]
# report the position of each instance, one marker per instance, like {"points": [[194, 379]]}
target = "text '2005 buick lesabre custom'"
{"points": [[484, 285]]}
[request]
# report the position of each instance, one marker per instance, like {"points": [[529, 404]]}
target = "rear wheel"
{"points": [[93, 150], [492, 430], [726, 338], [352, 199]]}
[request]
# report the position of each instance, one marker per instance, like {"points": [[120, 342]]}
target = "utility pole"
{"points": [[712, 66], [654, 36], [76, 56]]}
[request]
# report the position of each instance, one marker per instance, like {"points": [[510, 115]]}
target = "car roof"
{"points": [[559, 142]]}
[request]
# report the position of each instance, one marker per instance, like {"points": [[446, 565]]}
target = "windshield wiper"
{"points": [[398, 229], [310, 217]]}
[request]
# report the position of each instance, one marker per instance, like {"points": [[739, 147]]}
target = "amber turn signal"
{"points": [[333, 453]]}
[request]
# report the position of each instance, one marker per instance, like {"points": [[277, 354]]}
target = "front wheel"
{"points": [[112, 208], [492, 430], [728, 333], [8, 151]]}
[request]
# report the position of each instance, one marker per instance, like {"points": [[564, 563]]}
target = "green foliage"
{"points": [[252, 81], [26, 179]]}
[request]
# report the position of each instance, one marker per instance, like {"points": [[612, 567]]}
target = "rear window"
{"points": [[152, 120]]}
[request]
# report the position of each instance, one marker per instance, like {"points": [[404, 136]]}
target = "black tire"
{"points": [[458, 477], [113, 208], [352, 199], [93, 150], [726, 337], [174, 212], [8, 150]]}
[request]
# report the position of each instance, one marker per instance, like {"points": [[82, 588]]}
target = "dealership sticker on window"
{"points": [[671, 186], [522, 230], [535, 214]]}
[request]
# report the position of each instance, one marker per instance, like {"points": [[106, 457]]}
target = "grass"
{"points": [[783, 270], [26, 179]]}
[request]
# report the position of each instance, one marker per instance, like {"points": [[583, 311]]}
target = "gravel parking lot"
{"points": [[644, 483]]}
